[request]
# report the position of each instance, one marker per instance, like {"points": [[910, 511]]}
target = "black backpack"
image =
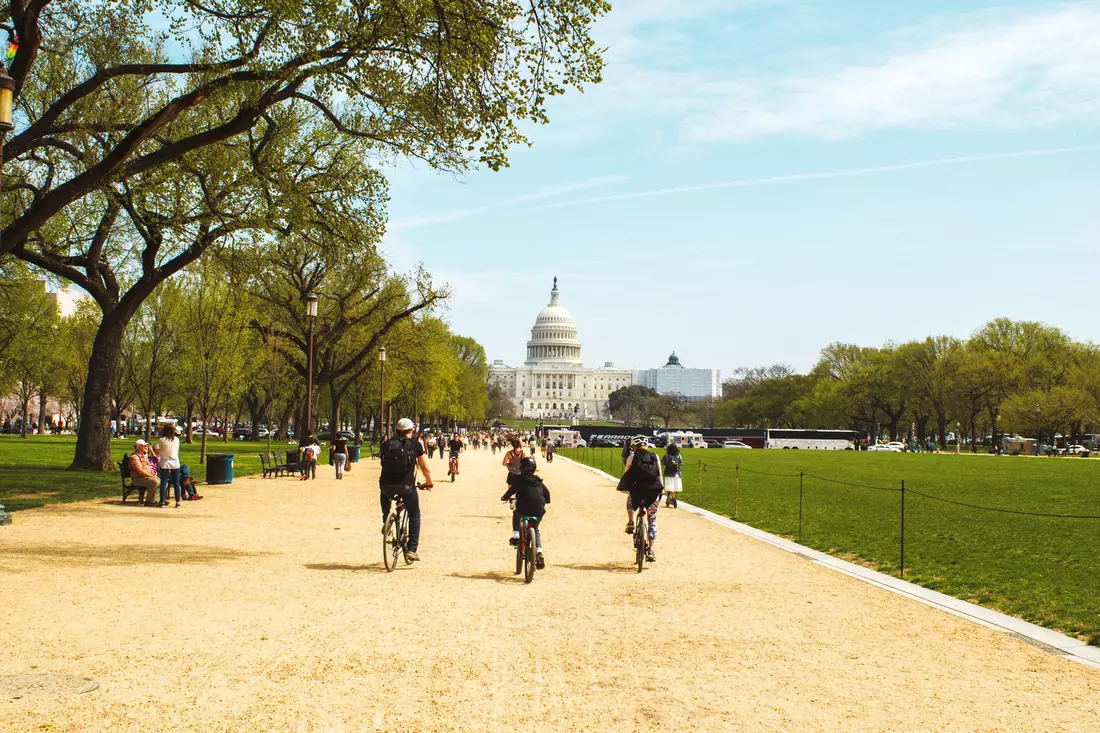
{"points": [[398, 458], [670, 464], [644, 467]]}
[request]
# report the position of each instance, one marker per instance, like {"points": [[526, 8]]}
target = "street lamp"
{"points": [[311, 316], [381, 389]]}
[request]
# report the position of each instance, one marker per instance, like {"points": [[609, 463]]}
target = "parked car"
{"points": [[897, 446], [602, 442], [735, 444], [708, 443], [1078, 450], [243, 433], [882, 448], [345, 434], [209, 431]]}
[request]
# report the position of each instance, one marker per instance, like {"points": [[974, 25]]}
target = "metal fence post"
{"points": [[736, 489], [800, 481], [901, 572]]}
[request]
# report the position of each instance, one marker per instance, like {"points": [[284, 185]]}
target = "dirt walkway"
{"points": [[265, 607]]}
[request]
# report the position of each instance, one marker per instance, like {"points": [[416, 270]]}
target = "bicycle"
{"points": [[395, 534], [526, 557]]}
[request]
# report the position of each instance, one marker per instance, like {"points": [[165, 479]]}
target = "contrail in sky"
{"points": [[794, 177]]}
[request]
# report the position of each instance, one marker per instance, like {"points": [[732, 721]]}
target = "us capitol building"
{"points": [[553, 382]]}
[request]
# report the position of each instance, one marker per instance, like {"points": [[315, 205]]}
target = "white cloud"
{"points": [[427, 220], [1040, 68], [1004, 70], [551, 191]]}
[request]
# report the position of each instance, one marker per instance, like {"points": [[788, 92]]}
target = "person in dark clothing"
{"points": [[400, 457], [531, 496], [643, 480], [454, 447], [626, 450]]}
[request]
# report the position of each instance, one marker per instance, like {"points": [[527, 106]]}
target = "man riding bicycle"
{"points": [[454, 446], [642, 479], [400, 457]]}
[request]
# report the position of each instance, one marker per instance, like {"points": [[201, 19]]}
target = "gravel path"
{"points": [[266, 607]]}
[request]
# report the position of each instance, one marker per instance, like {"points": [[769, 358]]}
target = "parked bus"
{"points": [[812, 439]]}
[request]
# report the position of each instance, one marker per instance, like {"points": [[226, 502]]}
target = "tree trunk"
{"points": [[93, 439], [41, 412], [284, 421], [26, 415], [335, 397], [941, 430], [188, 430]]}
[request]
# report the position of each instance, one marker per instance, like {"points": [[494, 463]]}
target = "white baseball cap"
{"points": [[138, 442], [404, 424]]}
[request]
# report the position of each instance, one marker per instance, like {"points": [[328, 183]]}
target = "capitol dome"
{"points": [[554, 335]]}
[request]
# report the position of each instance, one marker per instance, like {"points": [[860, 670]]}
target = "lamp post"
{"points": [[7, 98], [381, 389], [311, 316]]}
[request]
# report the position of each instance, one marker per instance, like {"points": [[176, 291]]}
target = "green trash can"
{"points": [[219, 468], [353, 453]]}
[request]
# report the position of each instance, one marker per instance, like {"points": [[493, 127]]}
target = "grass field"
{"points": [[33, 471], [1044, 570]]}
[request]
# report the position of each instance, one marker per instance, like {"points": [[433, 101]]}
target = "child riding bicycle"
{"points": [[642, 480], [531, 496]]}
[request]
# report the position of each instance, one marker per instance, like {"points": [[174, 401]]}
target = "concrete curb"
{"points": [[1050, 641]]}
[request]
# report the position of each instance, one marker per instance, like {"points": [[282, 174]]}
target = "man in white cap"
{"points": [[400, 456], [142, 475]]}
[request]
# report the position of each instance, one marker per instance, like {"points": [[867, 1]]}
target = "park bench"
{"points": [[282, 465], [267, 467], [127, 485]]}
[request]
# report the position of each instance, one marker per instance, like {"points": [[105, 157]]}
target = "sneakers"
{"points": [[649, 556], [630, 527], [540, 562], [514, 542], [411, 557]]}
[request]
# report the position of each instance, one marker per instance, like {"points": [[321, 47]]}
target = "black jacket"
{"points": [[531, 494]]}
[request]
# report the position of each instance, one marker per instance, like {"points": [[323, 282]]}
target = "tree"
{"points": [[931, 367], [31, 342], [667, 407], [215, 320], [628, 403], [126, 149], [745, 378], [151, 350]]}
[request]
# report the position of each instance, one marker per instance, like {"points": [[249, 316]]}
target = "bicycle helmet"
{"points": [[636, 443], [527, 465]]}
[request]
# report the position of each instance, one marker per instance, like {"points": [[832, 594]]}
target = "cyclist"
{"points": [[532, 496], [642, 479], [400, 457], [454, 447]]}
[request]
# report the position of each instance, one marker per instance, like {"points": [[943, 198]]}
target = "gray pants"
{"points": [[339, 459]]}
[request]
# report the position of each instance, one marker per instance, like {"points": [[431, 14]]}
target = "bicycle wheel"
{"points": [[520, 550], [640, 541], [403, 539], [529, 556], [389, 541]]}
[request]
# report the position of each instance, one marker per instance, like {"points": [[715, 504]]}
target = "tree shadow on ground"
{"points": [[610, 567], [484, 516], [499, 576], [73, 554], [372, 568]]}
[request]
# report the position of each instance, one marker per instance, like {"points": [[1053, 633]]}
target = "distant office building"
{"points": [[673, 378]]}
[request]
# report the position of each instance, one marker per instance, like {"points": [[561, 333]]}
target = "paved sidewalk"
{"points": [[266, 607]]}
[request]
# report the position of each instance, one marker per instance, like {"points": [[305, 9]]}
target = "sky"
{"points": [[755, 179]]}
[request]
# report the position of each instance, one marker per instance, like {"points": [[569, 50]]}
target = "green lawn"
{"points": [[33, 471], [1044, 570]]}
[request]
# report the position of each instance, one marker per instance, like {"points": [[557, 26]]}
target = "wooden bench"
{"points": [[127, 485], [281, 464]]}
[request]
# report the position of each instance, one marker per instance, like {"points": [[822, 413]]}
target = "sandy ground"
{"points": [[266, 607]]}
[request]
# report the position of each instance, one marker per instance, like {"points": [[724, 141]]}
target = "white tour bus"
{"points": [[812, 439]]}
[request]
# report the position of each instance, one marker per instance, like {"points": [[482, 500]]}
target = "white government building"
{"points": [[553, 382], [674, 378]]}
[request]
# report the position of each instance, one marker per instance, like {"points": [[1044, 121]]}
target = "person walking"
{"points": [[400, 456], [339, 455], [672, 462], [168, 461]]}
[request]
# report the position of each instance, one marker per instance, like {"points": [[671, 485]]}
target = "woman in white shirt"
{"points": [[168, 462]]}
